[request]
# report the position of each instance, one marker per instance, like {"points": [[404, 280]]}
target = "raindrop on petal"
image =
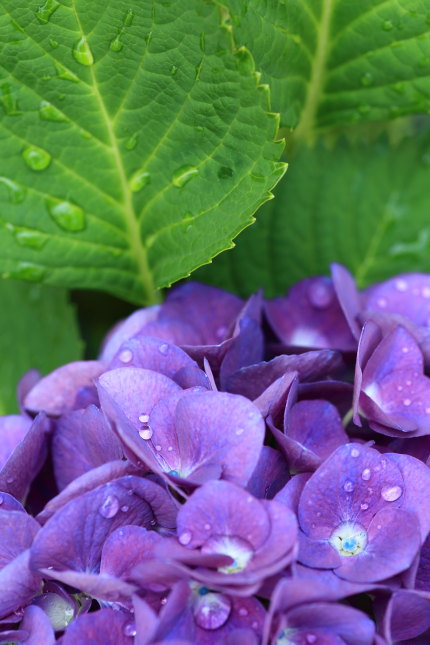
{"points": [[163, 349], [348, 487], [125, 356], [391, 493], [366, 474], [146, 433], [110, 507], [130, 629], [185, 538]]}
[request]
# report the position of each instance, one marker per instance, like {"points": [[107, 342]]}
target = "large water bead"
{"points": [[211, 610]]}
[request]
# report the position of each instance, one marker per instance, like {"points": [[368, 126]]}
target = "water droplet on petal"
{"points": [[131, 142], [48, 112], [66, 215], [44, 12], [364, 507], [243, 611], [391, 493], [158, 448], [16, 192], [183, 175], [207, 527], [401, 285], [185, 538], [130, 629], [139, 180], [367, 79], [407, 402], [355, 452], [163, 349], [82, 52], [144, 418], [405, 350], [320, 294], [125, 356], [36, 158], [146, 433], [110, 507], [124, 508], [211, 610], [348, 487], [240, 431], [311, 638], [381, 302], [8, 101], [366, 474]]}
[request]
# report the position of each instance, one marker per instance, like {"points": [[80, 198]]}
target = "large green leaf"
{"points": [[37, 330], [134, 144], [331, 62], [365, 206]]}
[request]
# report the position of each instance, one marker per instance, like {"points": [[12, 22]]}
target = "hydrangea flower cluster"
{"points": [[228, 472]]}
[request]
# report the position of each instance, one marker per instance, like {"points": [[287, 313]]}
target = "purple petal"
{"points": [[38, 626], [18, 531], [103, 627], [126, 329], [56, 393], [353, 626], [127, 547], [317, 426], [407, 294], [18, 584], [13, 429], [246, 349], [348, 297], [82, 441], [408, 615], [270, 474]]}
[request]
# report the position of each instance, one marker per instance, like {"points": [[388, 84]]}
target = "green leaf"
{"points": [[366, 207], [37, 330], [135, 143], [331, 62]]}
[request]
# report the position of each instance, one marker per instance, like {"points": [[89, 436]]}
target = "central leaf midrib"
{"points": [[317, 77], [128, 210]]}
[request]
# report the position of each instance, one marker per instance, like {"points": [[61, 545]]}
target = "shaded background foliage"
{"points": [[137, 140]]}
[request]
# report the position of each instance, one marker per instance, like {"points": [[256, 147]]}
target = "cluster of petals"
{"points": [[228, 472]]}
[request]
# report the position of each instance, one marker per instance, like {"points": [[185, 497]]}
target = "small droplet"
{"points": [[225, 172], [348, 487], [116, 43], [54, 43], [173, 70], [366, 474], [8, 101], [110, 507], [183, 175], [82, 52], [367, 79], [66, 215], [124, 508], [320, 294], [66, 74], [139, 180], [44, 12], [128, 18], [16, 192], [185, 538], [387, 25], [381, 302], [144, 418], [240, 431], [28, 271], [405, 350], [48, 112], [30, 239], [170, 449], [407, 402], [355, 452], [311, 638], [146, 433], [158, 448], [243, 611], [207, 527], [364, 507], [131, 142], [125, 356], [163, 349], [36, 158], [391, 493], [130, 629]]}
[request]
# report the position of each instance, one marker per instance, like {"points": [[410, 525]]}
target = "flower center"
{"points": [[237, 549], [349, 539]]}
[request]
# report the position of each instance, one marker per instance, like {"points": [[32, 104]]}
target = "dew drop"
{"points": [[183, 175], [48, 112], [185, 538], [146, 433], [400, 87], [320, 294], [130, 629], [381, 302], [387, 25], [28, 271], [125, 356], [364, 507], [16, 192], [144, 418], [139, 180], [158, 448], [170, 449], [66, 215], [65, 74], [163, 349], [355, 452], [367, 79], [173, 70], [30, 239], [8, 101], [207, 527], [405, 350], [131, 142], [365, 475], [124, 508], [128, 18], [311, 638], [82, 52], [36, 158], [110, 507], [116, 43], [54, 43], [225, 172], [239, 431], [391, 493], [407, 402], [243, 611], [45, 11], [348, 487]]}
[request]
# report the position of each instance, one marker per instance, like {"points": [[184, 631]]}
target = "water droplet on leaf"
{"points": [[48, 112], [30, 239], [36, 158], [173, 70], [367, 79], [224, 172], [183, 175], [116, 43], [82, 52], [16, 192], [28, 271], [67, 215], [387, 25], [45, 11], [54, 43], [131, 142], [66, 74], [139, 180], [110, 507], [8, 101]]}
